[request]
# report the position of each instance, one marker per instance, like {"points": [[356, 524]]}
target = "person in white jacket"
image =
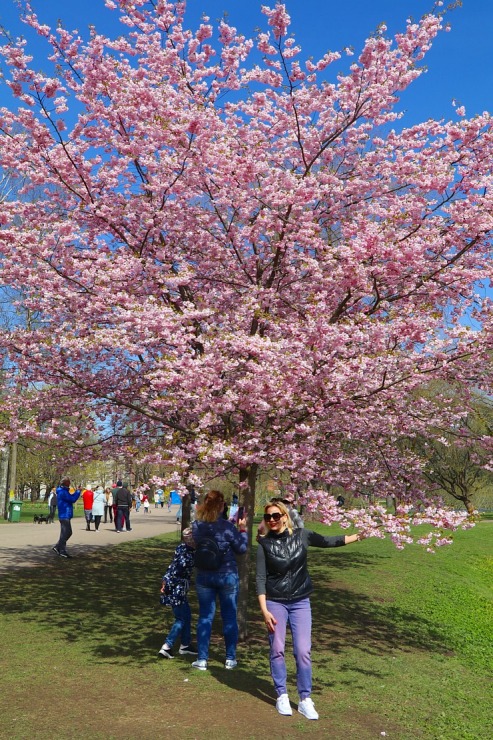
{"points": [[108, 506], [98, 506]]}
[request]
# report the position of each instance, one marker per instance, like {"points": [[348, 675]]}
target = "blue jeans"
{"points": [[182, 625], [210, 585], [298, 615]]}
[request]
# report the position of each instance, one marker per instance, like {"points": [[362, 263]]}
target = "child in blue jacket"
{"points": [[176, 583]]}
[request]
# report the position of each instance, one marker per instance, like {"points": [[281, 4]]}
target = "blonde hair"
{"points": [[212, 506], [284, 510]]}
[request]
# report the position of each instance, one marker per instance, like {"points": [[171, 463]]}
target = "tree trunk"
{"points": [[185, 511], [35, 489], [12, 470], [4, 468], [249, 475]]}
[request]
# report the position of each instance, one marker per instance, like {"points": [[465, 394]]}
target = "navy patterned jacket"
{"points": [[176, 580]]}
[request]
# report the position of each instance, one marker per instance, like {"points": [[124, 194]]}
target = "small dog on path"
{"points": [[41, 518]]}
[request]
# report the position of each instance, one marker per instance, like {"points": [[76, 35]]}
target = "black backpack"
{"points": [[208, 554]]}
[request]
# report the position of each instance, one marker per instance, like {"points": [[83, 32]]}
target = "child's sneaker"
{"points": [[307, 709], [283, 706], [200, 664], [188, 650], [230, 664], [165, 652]]}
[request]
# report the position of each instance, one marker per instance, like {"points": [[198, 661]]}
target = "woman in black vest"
{"points": [[283, 588]]}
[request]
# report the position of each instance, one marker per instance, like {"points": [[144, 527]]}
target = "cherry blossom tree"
{"points": [[242, 257]]}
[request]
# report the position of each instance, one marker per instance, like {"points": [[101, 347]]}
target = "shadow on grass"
{"points": [[109, 601]]}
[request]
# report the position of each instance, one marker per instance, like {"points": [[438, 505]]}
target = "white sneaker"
{"points": [[187, 650], [307, 709], [230, 664], [200, 664], [165, 652], [283, 706]]}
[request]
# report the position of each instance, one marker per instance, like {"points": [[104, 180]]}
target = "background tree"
{"points": [[457, 459]]}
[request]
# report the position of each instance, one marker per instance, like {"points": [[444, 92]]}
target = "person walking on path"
{"points": [[283, 589], [123, 502], [108, 506], [52, 503], [98, 506], [88, 498], [65, 503], [211, 530], [176, 583]]}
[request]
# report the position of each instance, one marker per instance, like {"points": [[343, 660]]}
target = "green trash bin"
{"points": [[15, 508]]}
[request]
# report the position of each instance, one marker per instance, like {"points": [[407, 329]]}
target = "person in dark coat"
{"points": [[122, 499]]}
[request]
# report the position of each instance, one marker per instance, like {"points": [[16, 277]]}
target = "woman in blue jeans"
{"points": [[223, 582], [283, 589]]}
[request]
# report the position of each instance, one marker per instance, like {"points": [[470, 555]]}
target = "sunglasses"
{"points": [[275, 516]]}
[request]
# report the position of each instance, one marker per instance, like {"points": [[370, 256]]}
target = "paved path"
{"points": [[25, 544]]}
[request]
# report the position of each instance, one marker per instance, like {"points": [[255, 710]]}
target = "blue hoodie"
{"points": [[66, 501]]}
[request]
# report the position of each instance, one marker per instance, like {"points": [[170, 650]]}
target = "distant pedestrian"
{"points": [[123, 501], [98, 506], [294, 515], [176, 583], [108, 506], [52, 503], [88, 498], [146, 504], [65, 503]]}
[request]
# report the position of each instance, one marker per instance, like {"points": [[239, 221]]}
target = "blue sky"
{"points": [[460, 66]]}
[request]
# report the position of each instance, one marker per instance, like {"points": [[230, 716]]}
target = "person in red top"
{"points": [[88, 498]]}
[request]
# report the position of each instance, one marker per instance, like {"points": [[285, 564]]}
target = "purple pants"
{"points": [[298, 615]]}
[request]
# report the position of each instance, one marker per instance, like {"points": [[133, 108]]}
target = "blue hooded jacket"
{"points": [[66, 501]]}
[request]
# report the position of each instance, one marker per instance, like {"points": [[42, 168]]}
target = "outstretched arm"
{"points": [[353, 538]]}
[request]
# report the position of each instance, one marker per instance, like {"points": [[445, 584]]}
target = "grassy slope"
{"points": [[403, 644]]}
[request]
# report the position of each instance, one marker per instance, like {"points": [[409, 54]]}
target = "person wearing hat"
{"points": [[174, 590]]}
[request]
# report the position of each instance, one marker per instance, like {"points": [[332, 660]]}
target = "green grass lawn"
{"points": [[29, 509], [402, 645]]}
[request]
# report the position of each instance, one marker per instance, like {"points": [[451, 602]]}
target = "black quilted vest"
{"points": [[285, 560]]}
